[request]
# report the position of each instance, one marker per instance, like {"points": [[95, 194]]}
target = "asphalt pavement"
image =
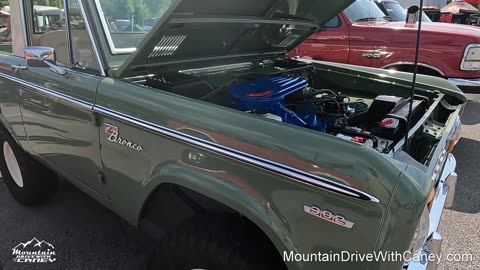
{"points": [[86, 235]]}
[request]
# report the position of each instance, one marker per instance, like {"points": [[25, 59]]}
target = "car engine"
{"points": [[290, 99], [286, 95]]}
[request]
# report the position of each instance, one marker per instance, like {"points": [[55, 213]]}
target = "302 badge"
{"points": [[328, 216]]}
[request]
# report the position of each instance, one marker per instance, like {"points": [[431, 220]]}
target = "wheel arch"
{"points": [[216, 195], [424, 69], [7, 127]]}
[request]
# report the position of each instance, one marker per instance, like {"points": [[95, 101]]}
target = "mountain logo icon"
{"points": [[34, 251], [34, 243]]}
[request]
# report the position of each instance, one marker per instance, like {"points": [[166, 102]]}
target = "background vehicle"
{"points": [[150, 23], [360, 35], [396, 12], [123, 24], [209, 137], [460, 12], [48, 17]]}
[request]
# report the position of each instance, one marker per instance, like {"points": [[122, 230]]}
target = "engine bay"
{"points": [[295, 96]]}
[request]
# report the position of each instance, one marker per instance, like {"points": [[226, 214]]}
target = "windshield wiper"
{"points": [[367, 19], [373, 19], [388, 18]]}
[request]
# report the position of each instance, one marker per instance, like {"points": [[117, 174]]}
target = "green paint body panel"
{"points": [[265, 198], [273, 202], [70, 138]]}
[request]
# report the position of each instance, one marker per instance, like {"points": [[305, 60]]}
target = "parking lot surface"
{"points": [[88, 236]]}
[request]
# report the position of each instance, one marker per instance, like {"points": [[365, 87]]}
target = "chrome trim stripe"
{"points": [[77, 102], [293, 173], [68, 33], [411, 63], [465, 82], [92, 39]]}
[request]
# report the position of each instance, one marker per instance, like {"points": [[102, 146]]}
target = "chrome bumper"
{"points": [[465, 83], [443, 198]]}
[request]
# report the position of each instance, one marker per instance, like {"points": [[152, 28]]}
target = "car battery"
{"points": [[382, 106]]}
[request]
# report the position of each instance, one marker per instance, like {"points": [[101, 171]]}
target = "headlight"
{"points": [[421, 233], [471, 58]]}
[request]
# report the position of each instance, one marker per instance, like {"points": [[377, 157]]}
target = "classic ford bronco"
{"points": [[203, 133]]}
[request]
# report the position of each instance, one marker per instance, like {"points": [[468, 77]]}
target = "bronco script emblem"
{"points": [[114, 136]]}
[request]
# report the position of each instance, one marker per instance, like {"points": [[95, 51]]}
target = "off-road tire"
{"points": [[38, 183], [216, 243]]}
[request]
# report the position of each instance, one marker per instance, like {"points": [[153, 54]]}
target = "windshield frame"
{"points": [[106, 31]]}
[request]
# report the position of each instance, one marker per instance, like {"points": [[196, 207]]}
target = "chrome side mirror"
{"points": [[38, 56], [413, 13]]}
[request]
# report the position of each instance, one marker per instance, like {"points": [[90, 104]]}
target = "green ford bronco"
{"points": [[203, 133]]}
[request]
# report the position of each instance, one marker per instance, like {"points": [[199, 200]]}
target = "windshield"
{"points": [[364, 10], [398, 13], [127, 24]]}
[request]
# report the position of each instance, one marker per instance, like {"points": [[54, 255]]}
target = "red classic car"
{"points": [[363, 35]]}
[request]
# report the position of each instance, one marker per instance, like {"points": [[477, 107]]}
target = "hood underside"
{"points": [[194, 32]]}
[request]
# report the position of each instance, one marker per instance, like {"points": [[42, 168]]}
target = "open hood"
{"points": [[195, 33]]}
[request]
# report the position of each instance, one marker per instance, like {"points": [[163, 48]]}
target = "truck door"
{"points": [[363, 51], [331, 44], [57, 101], [365, 19]]}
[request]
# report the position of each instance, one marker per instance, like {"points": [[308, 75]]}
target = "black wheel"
{"points": [[29, 181], [216, 243]]}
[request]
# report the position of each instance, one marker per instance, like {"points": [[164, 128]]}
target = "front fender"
{"points": [[230, 191]]}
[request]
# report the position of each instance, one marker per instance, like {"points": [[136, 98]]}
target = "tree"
{"points": [[118, 9], [4, 3], [141, 9]]}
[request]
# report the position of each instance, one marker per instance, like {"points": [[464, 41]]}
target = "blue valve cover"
{"points": [[264, 94]]}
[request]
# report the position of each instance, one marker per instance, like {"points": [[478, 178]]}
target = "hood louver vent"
{"points": [[167, 46]]}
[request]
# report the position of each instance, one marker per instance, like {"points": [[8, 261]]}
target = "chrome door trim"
{"points": [[67, 30], [92, 39], [23, 26], [49, 92], [272, 166]]}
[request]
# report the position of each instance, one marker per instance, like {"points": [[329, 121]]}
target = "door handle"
{"points": [[17, 68]]}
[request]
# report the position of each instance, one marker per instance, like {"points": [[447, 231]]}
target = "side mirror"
{"points": [[413, 13], [38, 56]]}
